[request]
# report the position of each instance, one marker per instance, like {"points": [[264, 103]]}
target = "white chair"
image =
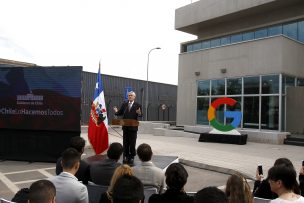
{"points": [[260, 200], [148, 191], [95, 192]]}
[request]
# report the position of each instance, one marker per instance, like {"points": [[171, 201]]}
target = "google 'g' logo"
{"points": [[236, 115]]}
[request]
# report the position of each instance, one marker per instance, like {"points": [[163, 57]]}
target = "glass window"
{"points": [[300, 82], [301, 31], [202, 111], [287, 81], [270, 84], [206, 44], [197, 46], [290, 30], [189, 47], [203, 88], [251, 112], [236, 38], [234, 86], [251, 85], [225, 40], [260, 33], [283, 114], [215, 42], [236, 107], [270, 115], [219, 113], [275, 30], [248, 36], [218, 87]]}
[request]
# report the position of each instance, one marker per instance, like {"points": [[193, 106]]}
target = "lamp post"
{"points": [[147, 84]]}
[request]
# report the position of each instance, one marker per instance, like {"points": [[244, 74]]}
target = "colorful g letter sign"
{"points": [[236, 115]]}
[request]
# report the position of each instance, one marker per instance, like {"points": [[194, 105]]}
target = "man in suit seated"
{"points": [[102, 171], [147, 172], [83, 173], [68, 188], [42, 191], [128, 189]]}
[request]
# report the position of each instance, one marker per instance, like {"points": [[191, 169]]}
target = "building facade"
{"points": [[249, 50]]}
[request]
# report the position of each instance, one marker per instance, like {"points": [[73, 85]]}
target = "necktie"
{"points": [[129, 106]]}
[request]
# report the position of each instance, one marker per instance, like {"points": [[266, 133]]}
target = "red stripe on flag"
{"points": [[98, 136]]}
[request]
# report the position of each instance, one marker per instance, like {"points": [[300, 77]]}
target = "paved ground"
{"points": [[224, 158]]}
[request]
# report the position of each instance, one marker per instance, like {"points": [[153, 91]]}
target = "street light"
{"points": [[147, 84]]}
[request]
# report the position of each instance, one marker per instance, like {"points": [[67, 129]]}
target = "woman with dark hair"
{"points": [[282, 181], [176, 179], [238, 190]]}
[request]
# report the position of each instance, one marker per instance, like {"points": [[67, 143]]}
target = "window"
{"points": [[215, 42], [290, 30], [202, 111], [189, 47], [287, 81], [251, 112], [225, 40], [206, 44], [301, 31], [248, 36], [300, 82], [197, 46], [218, 87], [270, 115], [275, 30], [236, 38], [251, 85], [203, 88], [261, 33], [270, 84], [234, 86]]}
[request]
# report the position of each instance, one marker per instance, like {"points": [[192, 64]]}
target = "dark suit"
{"points": [[83, 173], [171, 196], [129, 132], [102, 171]]}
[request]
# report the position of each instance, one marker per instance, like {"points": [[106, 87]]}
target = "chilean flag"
{"points": [[98, 124]]}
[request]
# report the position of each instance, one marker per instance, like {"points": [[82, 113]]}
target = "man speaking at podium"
{"points": [[129, 110]]}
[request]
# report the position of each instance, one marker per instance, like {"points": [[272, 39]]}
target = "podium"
{"points": [[125, 122]]}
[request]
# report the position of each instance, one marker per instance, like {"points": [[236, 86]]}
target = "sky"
{"points": [[117, 33]]}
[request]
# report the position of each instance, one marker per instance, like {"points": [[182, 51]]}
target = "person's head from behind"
{"points": [[144, 152], [42, 191], [176, 176], [128, 189], [21, 196], [237, 189], [120, 171], [115, 151], [210, 195], [77, 143], [282, 178], [70, 159], [283, 161]]}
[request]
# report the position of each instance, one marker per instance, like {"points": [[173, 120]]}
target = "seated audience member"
{"points": [[102, 171], [21, 196], [83, 173], [176, 179], [42, 191], [119, 171], [238, 190], [147, 172], [301, 180], [68, 188], [210, 195], [282, 181], [261, 187], [128, 189]]}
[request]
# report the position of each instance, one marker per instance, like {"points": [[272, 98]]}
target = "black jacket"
{"points": [[171, 196], [126, 114]]}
